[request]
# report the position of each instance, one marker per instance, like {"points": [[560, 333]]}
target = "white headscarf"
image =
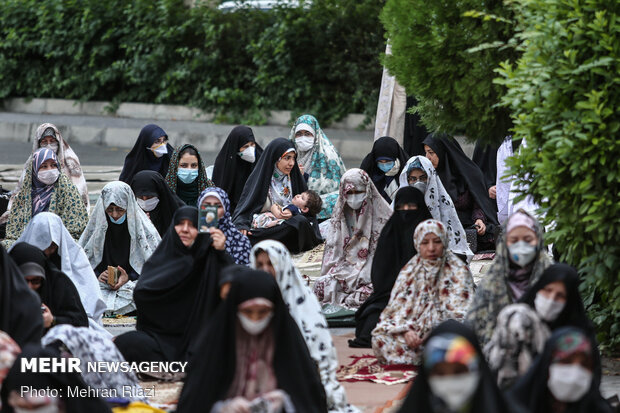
{"points": [[440, 206], [45, 228], [143, 234], [306, 311]]}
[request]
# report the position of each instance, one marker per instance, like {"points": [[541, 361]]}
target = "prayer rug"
{"points": [[309, 263], [165, 395], [368, 368], [119, 321]]}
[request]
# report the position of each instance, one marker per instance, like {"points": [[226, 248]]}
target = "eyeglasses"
{"points": [[114, 210], [413, 179]]}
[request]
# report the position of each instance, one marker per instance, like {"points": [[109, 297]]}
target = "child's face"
{"points": [[300, 201]]}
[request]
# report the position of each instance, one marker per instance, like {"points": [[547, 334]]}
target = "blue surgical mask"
{"points": [[187, 175], [120, 220], [385, 166]]}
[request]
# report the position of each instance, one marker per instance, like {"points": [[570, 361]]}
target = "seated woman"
{"points": [[394, 249], [519, 262], [419, 173], [46, 188], [466, 186], [48, 136], [273, 258], [434, 286], [155, 198], [384, 163], [60, 301], [522, 329], [187, 176], [47, 232], [237, 245], [453, 376], [562, 379], [359, 217], [21, 308], [318, 160], [151, 152], [276, 179], [259, 362], [119, 237], [176, 289], [235, 162]]}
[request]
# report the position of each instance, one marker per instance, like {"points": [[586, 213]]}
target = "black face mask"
{"points": [[407, 215]]}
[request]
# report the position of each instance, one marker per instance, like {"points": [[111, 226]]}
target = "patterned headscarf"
{"points": [[450, 348], [9, 350], [237, 244], [427, 227], [570, 343], [41, 193], [171, 176]]}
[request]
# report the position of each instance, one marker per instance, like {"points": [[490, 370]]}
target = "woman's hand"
{"points": [[245, 232], [122, 279], [276, 210], [219, 239], [48, 317], [493, 192], [480, 227], [412, 340], [286, 214], [103, 277]]}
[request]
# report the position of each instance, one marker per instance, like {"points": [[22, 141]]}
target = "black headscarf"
{"points": [[383, 147], [178, 288], [230, 171], [214, 368], [530, 393], [458, 173], [487, 397], [485, 156], [256, 188], [141, 158], [151, 183], [415, 131], [394, 249], [20, 315], [57, 291]]}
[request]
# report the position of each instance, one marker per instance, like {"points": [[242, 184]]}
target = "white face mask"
{"points": [[248, 154], [254, 327], [149, 204], [48, 177], [568, 382], [455, 390], [304, 143], [160, 151], [522, 253], [354, 201], [52, 146], [546, 308], [421, 186], [394, 169]]}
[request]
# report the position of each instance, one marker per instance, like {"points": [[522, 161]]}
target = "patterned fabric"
{"points": [[237, 245], [426, 293], [569, 344], [65, 201], [45, 228], [323, 164], [439, 204], [347, 261], [493, 292], [519, 337], [280, 191], [9, 350], [92, 346], [265, 220], [171, 176], [41, 193], [450, 348], [306, 311], [143, 234]]}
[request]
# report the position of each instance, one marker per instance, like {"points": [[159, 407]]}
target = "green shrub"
{"points": [[432, 58], [564, 93], [323, 58]]}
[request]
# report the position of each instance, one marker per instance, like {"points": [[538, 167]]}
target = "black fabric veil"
{"points": [[394, 249], [151, 183], [57, 291], [487, 398], [386, 147], [141, 158], [530, 393], [459, 173], [256, 188], [20, 315], [214, 366], [230, 171], [485, 156], [178, 288]]}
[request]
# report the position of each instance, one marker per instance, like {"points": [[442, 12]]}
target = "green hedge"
{"points": [[564, 94], [322, 58]]}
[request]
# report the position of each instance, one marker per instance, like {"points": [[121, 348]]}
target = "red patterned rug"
{"points": [[368, 368]]}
